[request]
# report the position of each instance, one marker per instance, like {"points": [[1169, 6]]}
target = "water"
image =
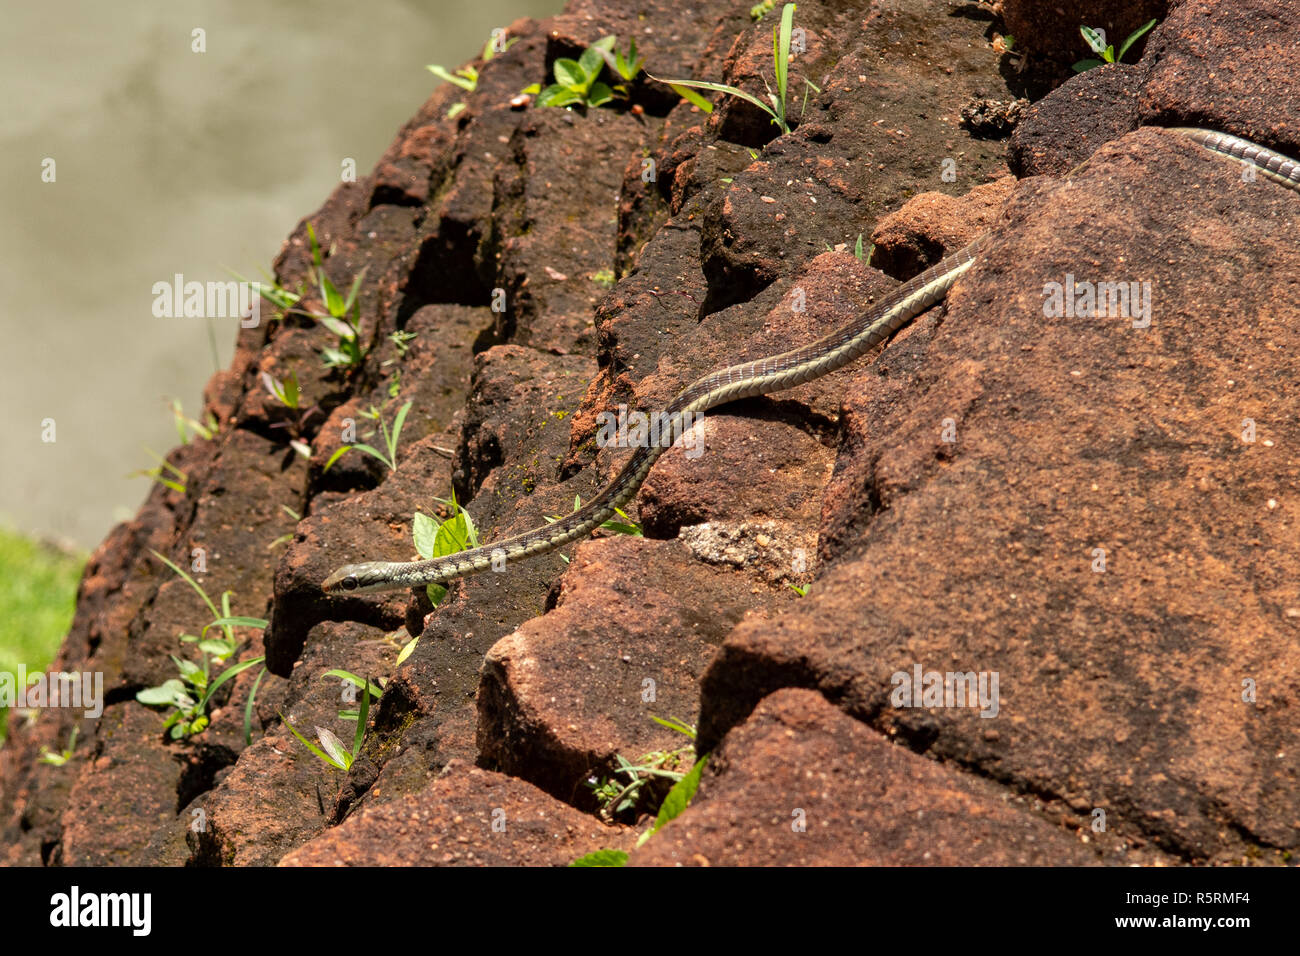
{"points": [[168, 160]]}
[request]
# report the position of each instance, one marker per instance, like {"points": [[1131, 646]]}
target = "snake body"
{"points": [[759, 377]]}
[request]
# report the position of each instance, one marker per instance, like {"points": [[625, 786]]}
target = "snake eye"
{"points": [[350, 583]]}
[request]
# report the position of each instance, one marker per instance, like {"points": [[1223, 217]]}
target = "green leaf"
{"points": [[673, 724], [463, 82], [406, 651], [374, 452], [331, 296], [334, 747], [343, 330], [354, 680], [315, 246], [679, 797], [361, 720], [1083, 65], [599, 95], [165, 693], [312, 747], [216, 648], [602, 858], [1096, 42], [258, 622], [691, 97], [248, 708], [571, 75], [557, 95], [718, 88], [397, 430], [452, 538], [532, 88], [353, 292], [424, 532], [189, 670], [857, 248], [1133, 37], [591, 62], [781, 50], [339, 453], [436, 593], [230, 672]]}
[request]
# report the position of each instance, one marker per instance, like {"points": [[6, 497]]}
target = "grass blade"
{"points": [[719, 88], [190, 581], [1133, 37], [248, 709], [361, 720], [311, 746]]}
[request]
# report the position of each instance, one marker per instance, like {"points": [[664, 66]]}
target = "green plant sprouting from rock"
{"points": [[777, 106], [191, 692], [1096, 41]]}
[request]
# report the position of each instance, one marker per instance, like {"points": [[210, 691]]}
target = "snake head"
{"points": [[358, 579]]}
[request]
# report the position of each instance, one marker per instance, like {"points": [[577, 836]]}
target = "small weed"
{"points": [[677, 800], [287, 392], [1096, 40], [402, 341], [617, 796], [331, 749], [376, 689], [859, 253], [439, 539], [778, 110], [801, 591], [280, 298], [342, 315], [626, 65], [390, 439], [467, 76], [603, 278], [192, 691], [759, 10], [175, 483], [187, 427], [344, 318], [63, 756], [577, 82]]}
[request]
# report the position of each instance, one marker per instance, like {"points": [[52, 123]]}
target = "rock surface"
{"points": [[800, 783], [1100, 514], [467, 817]]}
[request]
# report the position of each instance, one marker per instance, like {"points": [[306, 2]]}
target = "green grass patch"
{"points": [[38, 589]]}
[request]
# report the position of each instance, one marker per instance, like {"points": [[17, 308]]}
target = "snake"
{"points": [[758, 377]]}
